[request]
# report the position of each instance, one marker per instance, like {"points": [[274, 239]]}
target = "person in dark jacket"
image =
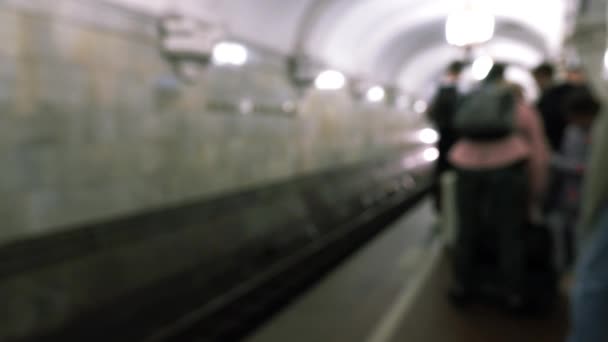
{"points": [[551, 102], [552, 108], [497, 182], [582, 108], [441, 113]]}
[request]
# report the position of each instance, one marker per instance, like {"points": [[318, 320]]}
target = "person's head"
{"points": [[497, 73], [454, 70], [581, 106], [543, 75], [518, 90], [575, 74]]}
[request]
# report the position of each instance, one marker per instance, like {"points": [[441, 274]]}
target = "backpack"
{"points": [[486, 114]]}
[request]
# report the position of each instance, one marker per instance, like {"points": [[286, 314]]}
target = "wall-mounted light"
{"points": [[428, 136], [469, 26], [482, 66], [228, 53], [246, 106], [330, 80], [430, 154], [420, 106], [375, 94]]}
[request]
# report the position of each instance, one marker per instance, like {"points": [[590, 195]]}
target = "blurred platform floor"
{"points": [[394, 290], [432, 319]]}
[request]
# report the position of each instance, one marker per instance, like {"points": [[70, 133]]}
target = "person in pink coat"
{"points": [[499, 188]]}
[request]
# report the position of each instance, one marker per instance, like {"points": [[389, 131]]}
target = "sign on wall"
{"points": [[188, 37], [188, 28]]}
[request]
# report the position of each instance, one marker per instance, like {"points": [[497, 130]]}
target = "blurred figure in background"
{"points": [[441, 113], [552, 108], [590, 293], [570, 162], [551, 101]]}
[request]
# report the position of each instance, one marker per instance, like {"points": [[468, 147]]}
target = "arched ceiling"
{"points": [[406, 45], [389, 40]]}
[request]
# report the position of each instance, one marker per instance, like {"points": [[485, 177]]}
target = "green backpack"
{"points": [[486, 114]]}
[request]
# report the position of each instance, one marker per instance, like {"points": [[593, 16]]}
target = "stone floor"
{"points": [[432, 319]]}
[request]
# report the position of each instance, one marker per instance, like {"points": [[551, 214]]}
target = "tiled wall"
{"points": [[84, 135]]}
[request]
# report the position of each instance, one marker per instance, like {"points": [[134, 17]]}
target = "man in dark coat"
{"points": [[552, 109], [551, 102], [441, 113]]}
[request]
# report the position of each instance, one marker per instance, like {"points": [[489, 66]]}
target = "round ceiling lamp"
{"points": [[469, 26]]}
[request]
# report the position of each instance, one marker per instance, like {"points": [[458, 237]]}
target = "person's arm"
{"points": [[539, 150], [595, 192]]}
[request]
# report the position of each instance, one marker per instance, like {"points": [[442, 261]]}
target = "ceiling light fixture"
{"points": [[469, 26]]}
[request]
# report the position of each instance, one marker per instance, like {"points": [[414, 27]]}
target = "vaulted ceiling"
{"points": [[397, 41], [393, 41]]}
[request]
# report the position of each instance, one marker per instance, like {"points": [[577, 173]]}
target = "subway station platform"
{"points": [[395, 290], [219, 171]]}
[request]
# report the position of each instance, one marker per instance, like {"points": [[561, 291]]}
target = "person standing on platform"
{"points": [[441, 113], [571, 164], [550, 103], [492, 163], [589, 308], [552, 107]]}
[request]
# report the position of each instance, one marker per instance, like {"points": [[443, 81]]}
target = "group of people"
{"points": [[520, 165]]}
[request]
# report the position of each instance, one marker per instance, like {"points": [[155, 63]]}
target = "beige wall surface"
{"points": [[93, 123]]}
